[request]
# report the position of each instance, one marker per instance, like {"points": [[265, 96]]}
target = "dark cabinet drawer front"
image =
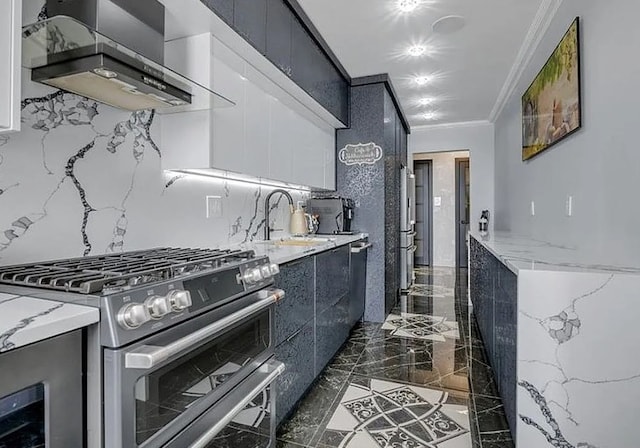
{"points": [[298, 356], [292, 312], [332, 277], [332, 330]]}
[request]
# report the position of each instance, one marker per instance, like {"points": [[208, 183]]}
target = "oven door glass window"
{"points": [[166, 393], [22, 421]]}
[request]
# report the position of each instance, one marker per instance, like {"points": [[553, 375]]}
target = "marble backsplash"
{"points": [[82, 178]]}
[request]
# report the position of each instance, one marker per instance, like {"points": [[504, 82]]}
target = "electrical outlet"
{"points": [[569, 206], [533, 208], [214, 206]]}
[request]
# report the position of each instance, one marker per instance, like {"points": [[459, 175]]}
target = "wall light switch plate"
{"points": [[569, 206], [214, 206], [533, 208], [437, 201]]}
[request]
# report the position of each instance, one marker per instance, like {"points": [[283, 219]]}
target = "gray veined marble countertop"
{"points": [[286, 254], [520, 253], [25, 320]]}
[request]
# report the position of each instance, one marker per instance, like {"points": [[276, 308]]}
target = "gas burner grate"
{"points": [[106, 273]]}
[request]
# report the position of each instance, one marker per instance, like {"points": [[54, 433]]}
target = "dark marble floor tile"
{"points": [[365, 331], [303, 425], [425, 363], [348, 356]]}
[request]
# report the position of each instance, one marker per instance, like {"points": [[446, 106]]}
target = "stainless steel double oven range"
{"points": [[183, 354]]}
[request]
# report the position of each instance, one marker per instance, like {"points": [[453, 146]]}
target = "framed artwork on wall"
{"points": [[552, 105]]}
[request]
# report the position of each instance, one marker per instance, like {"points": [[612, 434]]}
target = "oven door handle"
{"points": [[149, 356], [272, 369]]}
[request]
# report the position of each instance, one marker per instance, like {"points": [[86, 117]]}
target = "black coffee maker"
{"points": [[335, 214]]}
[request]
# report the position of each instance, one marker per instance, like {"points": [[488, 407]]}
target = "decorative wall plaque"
{"points": [[360, 154]]}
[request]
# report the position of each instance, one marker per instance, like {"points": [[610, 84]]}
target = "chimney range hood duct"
{"points": [[111, 51]]}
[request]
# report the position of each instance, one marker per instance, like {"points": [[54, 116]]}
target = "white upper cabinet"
{"points": [[280, 141], [10, 67], [330, 166], [267, 134]]}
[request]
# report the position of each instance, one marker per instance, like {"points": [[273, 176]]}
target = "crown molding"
{"points": [[460, 124], [539, 27]]}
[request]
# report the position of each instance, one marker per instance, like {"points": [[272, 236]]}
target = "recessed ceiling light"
{"points": [[426, 101], [407, 5], [429, 116], [416, 50], [448, 24], [422, 80]]}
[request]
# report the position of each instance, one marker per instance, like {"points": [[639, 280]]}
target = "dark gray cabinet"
{"points": [[312, 70], [223, 8], [332, 277], [332, 329], [250, 21], [296, 309], [494, 294], [312, 321], [297, 354], [279, 27], [275, 30], [305, 59]]}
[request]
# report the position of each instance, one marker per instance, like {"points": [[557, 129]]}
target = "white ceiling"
{"points": [[468, 67]]}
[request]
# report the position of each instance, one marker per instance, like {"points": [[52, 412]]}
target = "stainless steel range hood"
{"points": [[122, 67]]}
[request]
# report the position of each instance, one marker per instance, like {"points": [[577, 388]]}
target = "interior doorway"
{"points": [[423, 170], [463, 210], [442, 204]]}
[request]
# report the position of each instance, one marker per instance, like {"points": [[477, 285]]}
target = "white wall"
{"points": [[478, 139], [600, 165], [443, 165]]}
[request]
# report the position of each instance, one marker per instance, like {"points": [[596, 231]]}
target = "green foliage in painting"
{"points": [[561, 61]]}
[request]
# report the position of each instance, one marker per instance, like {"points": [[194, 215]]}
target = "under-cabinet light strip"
{"points": [[230, 176]]}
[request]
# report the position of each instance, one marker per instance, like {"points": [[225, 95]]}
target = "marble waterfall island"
{"points": [[560, 336]]}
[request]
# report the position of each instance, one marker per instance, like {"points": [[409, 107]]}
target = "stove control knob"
{"points": [[252, 276], [133, 315], [157, 306], [274, 268], [179, 299], [265, 271]]}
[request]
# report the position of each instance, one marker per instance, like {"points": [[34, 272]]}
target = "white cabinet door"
{"points": [[256, 127], [314, 167], [280, 142], [10, 66], [330, 166], [228, 122]]}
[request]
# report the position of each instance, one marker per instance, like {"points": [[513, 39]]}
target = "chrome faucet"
{"points": [[267, 229]]}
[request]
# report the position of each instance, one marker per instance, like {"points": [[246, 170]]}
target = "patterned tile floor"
{"points": [[421, 379]]}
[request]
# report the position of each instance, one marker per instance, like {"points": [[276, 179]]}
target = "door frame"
{"points": [[459, 161], [428, 206]]}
